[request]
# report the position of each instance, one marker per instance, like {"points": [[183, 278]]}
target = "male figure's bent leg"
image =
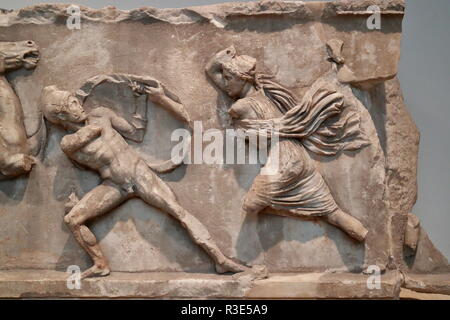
{"points": [[96, 202]]}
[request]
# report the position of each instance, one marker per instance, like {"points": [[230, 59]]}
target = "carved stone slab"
{"points": [[305, 46]]}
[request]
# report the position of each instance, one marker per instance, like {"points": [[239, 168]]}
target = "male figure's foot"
{"points": [[256, 271], [230, 266], [368, 269], [96, 271]]}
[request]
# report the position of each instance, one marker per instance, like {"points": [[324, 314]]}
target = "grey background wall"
{"points": [[425, 78]]}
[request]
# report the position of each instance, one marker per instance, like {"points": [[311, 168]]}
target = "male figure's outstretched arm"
{"points": [[158, 95]]}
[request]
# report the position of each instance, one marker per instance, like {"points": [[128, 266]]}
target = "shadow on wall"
{"points": [[139, 238], [311, 244]]}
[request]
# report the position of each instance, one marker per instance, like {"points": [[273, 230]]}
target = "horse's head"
{"points": [[17, 55]]}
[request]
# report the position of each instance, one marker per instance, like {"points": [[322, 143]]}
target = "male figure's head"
{"points": [[62, 108]]}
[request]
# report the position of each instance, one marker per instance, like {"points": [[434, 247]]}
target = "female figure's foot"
{"points": [[369, 269]]}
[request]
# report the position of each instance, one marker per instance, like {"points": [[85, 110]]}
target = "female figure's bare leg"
{"points": [[349, 224], [248, 243], [96, 202]]}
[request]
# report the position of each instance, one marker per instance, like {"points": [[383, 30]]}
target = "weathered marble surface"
{"points": [[180, 285], [376, 185]]}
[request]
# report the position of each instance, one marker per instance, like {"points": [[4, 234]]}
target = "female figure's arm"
{"points": [[246, 119]]}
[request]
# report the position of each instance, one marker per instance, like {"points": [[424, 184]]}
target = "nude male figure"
{"points": [[98, 143]]}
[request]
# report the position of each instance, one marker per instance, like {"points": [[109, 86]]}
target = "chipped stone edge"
{"points": [[216, 14]]}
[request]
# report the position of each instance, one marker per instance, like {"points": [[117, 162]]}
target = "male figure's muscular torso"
{"points": [[100, 147]]}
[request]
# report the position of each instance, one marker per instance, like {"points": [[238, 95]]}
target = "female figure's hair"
{"points": [[244, 67], [319, 120]]}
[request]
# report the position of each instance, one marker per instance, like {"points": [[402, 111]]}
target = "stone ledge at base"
{"points": [[428, 283], [406, 294], [52, 284]]}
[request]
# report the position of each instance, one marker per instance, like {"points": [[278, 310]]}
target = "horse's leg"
{"points": [[14, 159]]}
